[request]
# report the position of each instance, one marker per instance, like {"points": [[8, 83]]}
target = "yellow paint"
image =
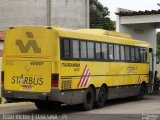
{"points": [[16, 63], [105, 32], [112, 74], [20, 75]]}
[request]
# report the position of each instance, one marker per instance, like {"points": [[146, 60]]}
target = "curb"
{"points": [[15, 104]]}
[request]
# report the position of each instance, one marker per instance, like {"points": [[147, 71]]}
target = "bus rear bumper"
{"points": [[19, 95], [67, 97]]}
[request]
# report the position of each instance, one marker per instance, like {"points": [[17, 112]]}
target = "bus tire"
{"points": [[9, 100], [141, 92], [45, 105], [41, 105], [88, 99], [101, 97]]}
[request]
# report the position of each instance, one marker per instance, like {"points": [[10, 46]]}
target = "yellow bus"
{"points": [[51, 66]]}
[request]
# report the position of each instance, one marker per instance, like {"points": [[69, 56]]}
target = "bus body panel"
{"points": [[79, 75], [29, 42], [28, 58], [27, 75]]}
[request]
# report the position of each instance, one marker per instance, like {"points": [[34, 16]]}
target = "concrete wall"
{"points": [[66, 13], [138, 27], [70, 13], [22, 12], [144, 32], [140, 19]]}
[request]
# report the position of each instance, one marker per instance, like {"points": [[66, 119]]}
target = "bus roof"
{"points": [[102, 35], [105, 32], [95, 35]]}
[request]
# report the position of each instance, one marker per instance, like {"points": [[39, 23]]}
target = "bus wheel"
{"points": [[42, 105], [101, 97], [88, 100], [141, 92]]}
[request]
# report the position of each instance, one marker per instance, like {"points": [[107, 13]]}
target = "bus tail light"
{"points": [[2, 77], [54, 81]]}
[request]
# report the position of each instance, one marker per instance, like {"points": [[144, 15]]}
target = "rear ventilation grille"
{"points": [[66, 84]]}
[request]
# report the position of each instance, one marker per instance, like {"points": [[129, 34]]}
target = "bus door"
{"points": [[151, 70]]}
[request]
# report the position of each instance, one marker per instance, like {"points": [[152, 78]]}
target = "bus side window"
{"points": [[116, 52], [75, 48], [111, 51], [137, 51], [90, 49], [143, 54], [98, 51], [66, 48], [104, 51], [83, 49], [122, 52], [127, 53], [132, 54]]}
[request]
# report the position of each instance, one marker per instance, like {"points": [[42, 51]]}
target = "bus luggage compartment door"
{"points": [[28, 76]]}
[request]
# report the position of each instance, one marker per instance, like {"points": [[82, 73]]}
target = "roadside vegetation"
{"points": [[99, 16]]}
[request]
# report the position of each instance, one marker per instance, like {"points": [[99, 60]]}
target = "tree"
{"points": [[99, 16]]}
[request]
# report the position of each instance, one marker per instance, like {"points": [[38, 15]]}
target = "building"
{"points": [[65, 13], [140, 25], [72, 14]]}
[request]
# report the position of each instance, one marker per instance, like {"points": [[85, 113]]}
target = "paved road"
{"points": [[121, 109]]}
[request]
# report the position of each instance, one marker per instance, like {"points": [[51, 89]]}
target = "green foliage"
{"points": [[99, 16], [158, 46]]}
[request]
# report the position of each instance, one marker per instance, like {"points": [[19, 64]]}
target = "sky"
{"points": [[130, 4]]}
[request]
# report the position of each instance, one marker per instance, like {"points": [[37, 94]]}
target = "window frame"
{"points": [[134, 53], [138, 61], [123, 52], [62, 50], [109, 52], [71, 46], [114, 51], [86, 50], [100, 50], [106, 43], [129, 53], [102, 59], [93, 51]]}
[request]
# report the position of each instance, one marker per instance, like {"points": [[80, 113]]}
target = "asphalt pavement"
{"points": [[120, 109]]}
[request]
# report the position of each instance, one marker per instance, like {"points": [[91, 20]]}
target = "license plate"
{"points": [[26, 87]]}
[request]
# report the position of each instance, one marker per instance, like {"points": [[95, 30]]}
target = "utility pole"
{"points": [[49, 12]]}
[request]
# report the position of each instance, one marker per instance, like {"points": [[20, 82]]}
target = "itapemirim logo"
{"points": [[30, 44]]}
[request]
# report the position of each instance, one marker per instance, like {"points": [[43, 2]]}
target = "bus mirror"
{"points": [[157, 60], [150, 50]]}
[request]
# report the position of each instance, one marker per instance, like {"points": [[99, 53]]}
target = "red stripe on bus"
{"points": [[87, 80], [86, 75], [82, 76], [139, 80]]}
